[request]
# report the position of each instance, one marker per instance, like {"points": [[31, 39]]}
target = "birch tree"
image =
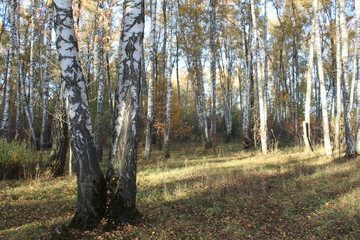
{"points": [[150, 102], [317, 48], [213, 64], [357, 9], [338, 82], [100, 76], [90, 181], [5, 116], [309, 76], [193, 42], [32, 63], [167, 69], [122, 162], [350, 145], [60, 140], [44, 137], [18, 80], [260, 82]]}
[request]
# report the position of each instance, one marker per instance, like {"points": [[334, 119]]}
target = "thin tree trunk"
{"points": [[123, 160], [99, 135], [44, 136], [338, 84], [247, 92], [25, 105], [150, 106], [18, 81], [326, 129], [32, 64], [213, 65], [90, 180], [357, 9], [350, 145], [60, 141], [200, 102], [309, 77], [5, 117], [167, 74], [256, 54]]}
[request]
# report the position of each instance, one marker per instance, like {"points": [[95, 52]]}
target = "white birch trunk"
{"points": [[309, 77], [350, 145], [167, 73], [260, 82], [213, 64], [18, 81], [123, 159], [5, 117], [25, 105], [338, 84], [150, 106], [357, 10], [99, 135], [90, 181], [32, 63], [317, 48], [44, 136]]}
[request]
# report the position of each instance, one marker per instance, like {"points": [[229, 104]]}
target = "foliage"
{"points": [[17, 160]]}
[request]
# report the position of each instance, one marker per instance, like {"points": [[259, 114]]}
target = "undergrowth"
{"points": [[17, 160], [220, 194]]}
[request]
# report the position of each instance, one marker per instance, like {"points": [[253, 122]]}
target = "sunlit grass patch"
{"points": [[222, 194]]}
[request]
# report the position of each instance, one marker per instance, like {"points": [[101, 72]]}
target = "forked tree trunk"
{"points": [[326, 129], [150, 103], [90, 181], [123, 159], [309, 77]]}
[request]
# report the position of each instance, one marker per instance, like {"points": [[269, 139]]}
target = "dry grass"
{"points": [[222, 194]]}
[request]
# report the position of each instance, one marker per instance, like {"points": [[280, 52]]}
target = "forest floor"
{"points": [[220, 194]]}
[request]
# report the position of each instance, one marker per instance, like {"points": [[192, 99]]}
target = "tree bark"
{"points": [[123, 159], [326, 130], [350, 145], [5, 117], [357, 10], [18, 80], [338, 83], [44, 136], [99, 134], [60, 141], [90, 181], [150, 104], [260, 82], [167, 74], [309, 77], [213, 65]]}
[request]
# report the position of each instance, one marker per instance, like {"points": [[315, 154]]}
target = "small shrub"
{"points": [[17, 160]]}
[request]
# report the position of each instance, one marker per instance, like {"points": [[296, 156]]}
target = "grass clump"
{"points": [[17, 160]]}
